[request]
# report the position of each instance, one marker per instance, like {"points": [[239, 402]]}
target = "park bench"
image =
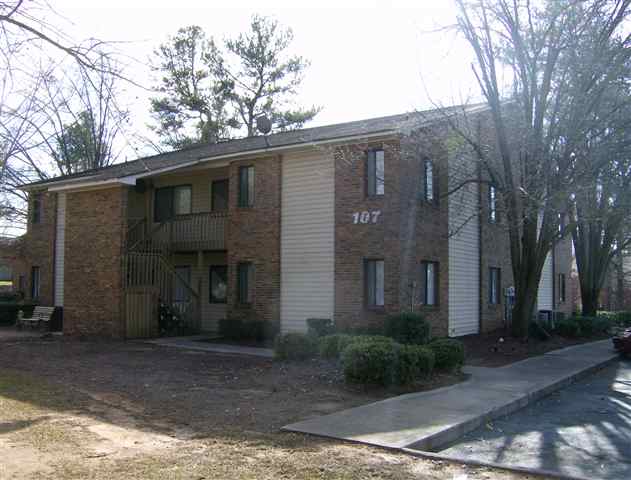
{"points": [[41, 316]]}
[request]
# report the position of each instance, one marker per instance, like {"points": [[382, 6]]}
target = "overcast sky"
{"points": [[367, 58]]}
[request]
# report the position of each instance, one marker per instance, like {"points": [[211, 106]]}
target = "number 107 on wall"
{"points": [[366, 217]]}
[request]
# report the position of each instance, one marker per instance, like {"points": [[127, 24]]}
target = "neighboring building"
{"points": [[9, 254], [616, 292], [346, 221]]}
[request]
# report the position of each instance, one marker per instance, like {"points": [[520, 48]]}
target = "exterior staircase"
{"points": [[149, 286]]}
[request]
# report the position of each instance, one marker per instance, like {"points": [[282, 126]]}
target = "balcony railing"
{"points": [[184, 233]]}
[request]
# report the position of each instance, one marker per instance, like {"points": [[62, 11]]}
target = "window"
{"points": [[218, 284], [35, 283], [561, 287], [246, 186], [375, 170], [374, 280], [429, 190], [494, 285], [171, 201], [182, 197], [429, 283], [181, 293], [219, 196], [245, 282], [36, 213], [492, 204]]}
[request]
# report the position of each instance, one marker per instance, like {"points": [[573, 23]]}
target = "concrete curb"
{"points": [[478, 463], [440, 440]]}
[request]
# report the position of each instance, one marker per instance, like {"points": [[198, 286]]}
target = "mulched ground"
{"points": [[89, 409], [498, 348], [200, 389]]}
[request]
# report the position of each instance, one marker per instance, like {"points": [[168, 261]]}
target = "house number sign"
{"points": [[366, 217]]}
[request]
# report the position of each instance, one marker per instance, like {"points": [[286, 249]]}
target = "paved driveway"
{"points": [[583, 431]]}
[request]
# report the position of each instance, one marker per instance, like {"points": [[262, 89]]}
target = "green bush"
{"points": [[617, 319], [320, 326], [331, 346], [370, 339], [407, 328], [370, 362], [623, 319], [413, 362], [569, 327], [591, 326], [449, 353], [294, 346], [371, 330]]}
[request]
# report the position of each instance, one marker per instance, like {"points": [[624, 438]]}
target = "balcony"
{"points": [[183, 233]]}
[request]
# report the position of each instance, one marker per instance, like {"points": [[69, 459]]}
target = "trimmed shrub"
{"points": [[365, 330], [331, 346], [617, 319], [370, 362], [320, 326], [407, 328], [449, 353], [370, 339], [590, 326], [294, 346], [413, 362], [623, 319], [569, 327]]}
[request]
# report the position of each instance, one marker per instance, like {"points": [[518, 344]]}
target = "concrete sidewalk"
{"points": [[429, 420], [201, 343]]}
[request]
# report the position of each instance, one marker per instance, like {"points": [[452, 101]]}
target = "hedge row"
{"points": [[374, 359]]}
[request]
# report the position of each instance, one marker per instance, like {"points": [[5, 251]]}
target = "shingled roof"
{"points": [[370, 127]]}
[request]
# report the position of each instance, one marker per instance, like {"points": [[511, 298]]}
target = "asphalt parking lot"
{"points": [[582, 431]]}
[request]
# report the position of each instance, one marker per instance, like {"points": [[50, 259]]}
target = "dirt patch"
{"points": [[128, 410], [498, 348]]}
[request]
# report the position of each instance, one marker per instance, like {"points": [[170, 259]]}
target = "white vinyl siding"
{"points": [[60, 241], [307, 239], [545, 293], [464, 250]]}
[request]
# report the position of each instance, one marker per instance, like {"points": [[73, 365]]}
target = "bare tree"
{"points": [[59, 126], [528, 53]]}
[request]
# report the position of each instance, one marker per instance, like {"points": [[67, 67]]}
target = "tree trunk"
{"points": [[522, 310], [589, 300]]}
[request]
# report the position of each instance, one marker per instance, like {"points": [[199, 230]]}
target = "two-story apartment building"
{"points": [[348, 221]]}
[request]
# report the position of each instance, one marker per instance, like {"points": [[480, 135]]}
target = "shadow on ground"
{"points": [[583, 430]]}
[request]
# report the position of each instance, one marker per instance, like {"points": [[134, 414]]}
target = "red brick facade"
{"points": [[95, 228], [408, 230], [254, 236], [356, 243], [37, 250]]}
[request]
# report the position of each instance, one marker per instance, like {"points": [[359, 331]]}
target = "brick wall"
{"points": [[424, 225], [254, 236], [494, 253], [37, 249], [355, 243], [563, 264], [95, 227]]}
